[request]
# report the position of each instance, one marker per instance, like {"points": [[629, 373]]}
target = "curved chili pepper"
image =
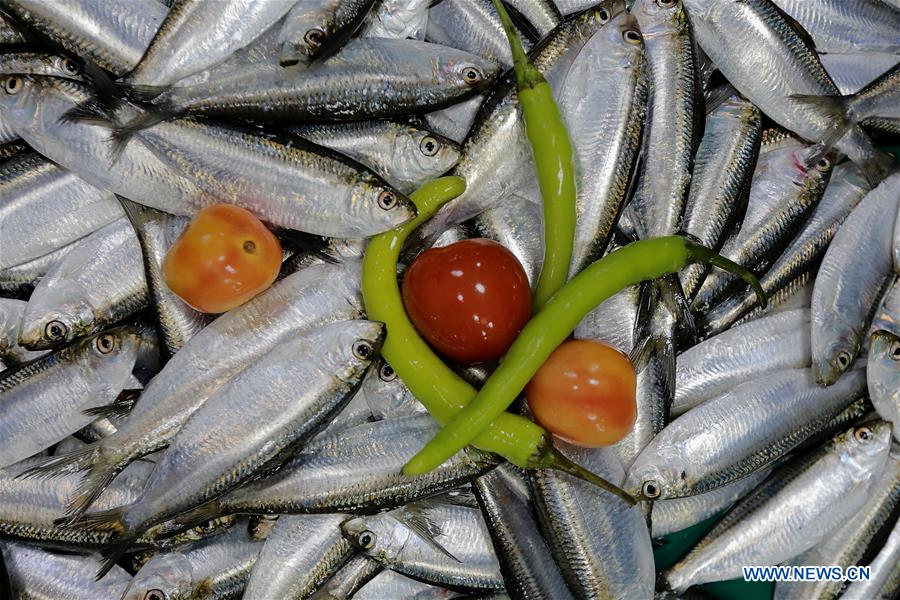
{"points": [[434, 384], [637, 262]]}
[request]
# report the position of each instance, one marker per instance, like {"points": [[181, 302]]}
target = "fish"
{"points": [[741, 353], [672, 516], [887, 317], [217, 567], [314, 296], [853, 72], [196, 35], [397, 19], [301, 553], [473, 26], [601, 545], [454, 122], [518, 224], [854, 273], [849, 544], [734, 434], [883, 372], [19, 281], [36, 573], [522, 552], [884, 576], [846, 188], [9, 34], [300, 386], [837, 26], [723, 168], [771, 44], [405, 155], [438, 543], [543, 15], [11, 311], [17, 60], [113, 34], [328, 476], [38, 196], [349, 579], [386, 395], [156, 232], [798, 514], [44, 401], [97, 284], [389, 584], [312, 30]]}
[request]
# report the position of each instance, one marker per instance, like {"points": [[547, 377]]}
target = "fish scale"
{"points": [[847, 26]]}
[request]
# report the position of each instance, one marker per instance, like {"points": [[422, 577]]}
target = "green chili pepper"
{"points": [[636, 262], [554, 161], [434, 384]]}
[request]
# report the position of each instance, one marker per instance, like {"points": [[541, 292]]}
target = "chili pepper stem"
{"points": [[554, 459], [698, 253], [527, 76]]}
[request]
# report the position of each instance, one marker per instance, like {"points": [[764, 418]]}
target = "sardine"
{"points": [[540, 14], [389, 584], [518, 224], [847, 26], [799, 515], [398, 19], [11, 312], [883, 372], [850, 281], [386, 395], [97, 284], [313, 28], [28, 62], [455, 121], [470, 25], [884, 578], [299, 555], [734, 434], [349, 579], [853, 72], [19, 281]]}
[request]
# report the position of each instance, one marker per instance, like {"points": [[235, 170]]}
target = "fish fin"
{"points": [[835, 108], [138, 214], [103, 520], [121, 134], [57, 466], [196, 516], [878, 167], [108, 410], [718, 96], [306, 243], [640, 354], [88, 111], [112, 555], [458, 497], [415, 517], [143, 93], [648, 296], [98, 477]]}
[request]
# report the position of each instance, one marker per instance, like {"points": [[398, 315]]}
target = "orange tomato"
{"points": [[224, 257], [585, 394]]}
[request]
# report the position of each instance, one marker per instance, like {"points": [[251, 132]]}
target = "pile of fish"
{"points": [[257, 454]]}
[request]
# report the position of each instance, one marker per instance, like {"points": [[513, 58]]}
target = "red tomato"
{"points": [[585, 394], [224, 257], [469, 299]]}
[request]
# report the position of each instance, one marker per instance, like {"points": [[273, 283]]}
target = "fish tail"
{"points": [[877, 167], [100, 474], [836, 108], [57, 466], [122, 134], [118, 409], [144, 93], [196, 516]]}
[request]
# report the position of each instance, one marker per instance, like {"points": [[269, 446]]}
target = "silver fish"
{"points": [[846, 188], [97, 284], [216, 568], [443, 544], [398, 19], [328, 475], [742, 353], [517, 223], [723, 168], [842, 26], [887, 317], [284, 181], [156, 231], [35, 573], [313, 28], [349, 579], [9, 34], [541, 14], [847, 546], [455, 121], [671, 516], [42, 402], [299, 555], [878, 100], [11, 312], [884, 580], [196, 35], [799, 515], [470, 25], [19, 281], [853, 275], [523, 553], [38, 196], [317, 295], [601, 545], [114, 34], [386, 395], [770, 44], [300, 386], [7, 133], [675, 117], [405, 155], [883, 372], [38, 63], [738, 432], [389, 584], [853, 72]]}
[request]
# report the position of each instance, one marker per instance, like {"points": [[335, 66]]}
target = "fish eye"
{"points": [[69, 66], [429, 146], [387, 373], [13, 85], [56, 330], [105, 343], [862, 434], [894, 352], [650, 489], [363, 350], [631, 36], [824, 165], [666, 3], [603, 15], [314, 38], [844, 359], [155, 595], [366, 540], [471, 75], [387, 200]]}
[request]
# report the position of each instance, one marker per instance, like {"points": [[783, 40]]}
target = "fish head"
{"points": [[112, 353], [813, 166], [387, 395], [465, 71], [835, 344], [380, 537], [624, 34], [164, 577], [423, 155], [883, 371], [376, 207], [307, 29], [659, 17], [349, 347], [656, 477], [19, 97], [55, 315], [864, 449]]}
